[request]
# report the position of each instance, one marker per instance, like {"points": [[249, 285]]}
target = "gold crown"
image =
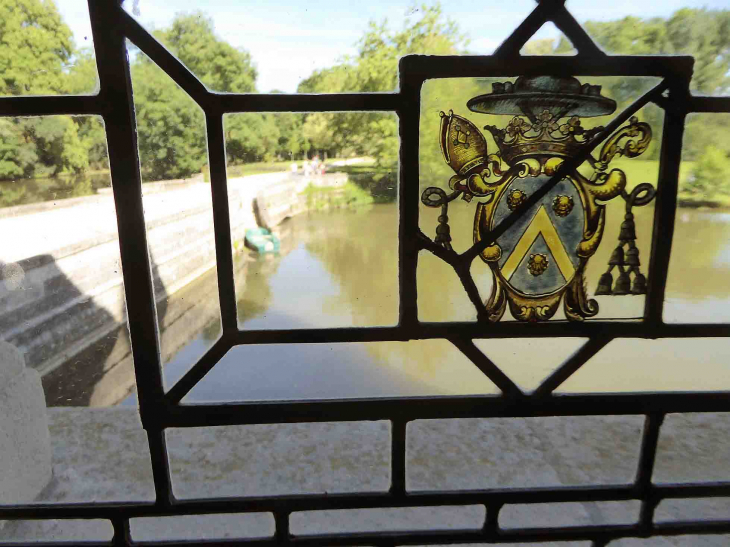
{"points": [[463, 145], [544, 137]]}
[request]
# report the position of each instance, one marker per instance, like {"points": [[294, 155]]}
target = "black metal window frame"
{"points": [[160, 410]]}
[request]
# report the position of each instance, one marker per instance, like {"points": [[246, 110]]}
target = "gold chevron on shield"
{"points": [[541, 224]]}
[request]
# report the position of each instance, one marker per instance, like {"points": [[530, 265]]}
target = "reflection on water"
{"points": [[340, 269], [26, 191], [337, 269], [698, 286]]}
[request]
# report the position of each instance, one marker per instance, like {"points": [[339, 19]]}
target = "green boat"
{"points": [[262, 241]]}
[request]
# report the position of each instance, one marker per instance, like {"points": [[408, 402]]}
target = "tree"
{"points": [[711, 175], [17, 157], [251, 137], [57, 144], [171, 126], [540, 46], [35, 47], [82, 76], [37, 56], [82, 79], [702, 33], [375, 68]]}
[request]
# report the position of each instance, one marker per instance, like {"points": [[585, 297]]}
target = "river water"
{"points": [[339, 269]]}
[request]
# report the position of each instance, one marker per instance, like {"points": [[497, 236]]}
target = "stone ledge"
{"points": [[102, 455]]}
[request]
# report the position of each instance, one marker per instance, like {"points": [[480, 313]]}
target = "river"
{"points": [[340, 269]]}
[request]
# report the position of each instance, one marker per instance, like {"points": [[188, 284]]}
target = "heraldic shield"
{"points": [[541, 259]]}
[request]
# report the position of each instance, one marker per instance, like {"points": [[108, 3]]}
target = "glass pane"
{"points": [[46, 48], [32, 531], [544, 515], [701, 244], [692, 448], [329, 371], [64, 327], [178, 211], [71, 455], [548, 41], [338, 47], [685, 364], [192, 527], [314, 219], [662, 541], [690, 27], [529, 361], [62, 300], [685, 509], [280, 459], [522, 452], [466, 517], [574, 244]]}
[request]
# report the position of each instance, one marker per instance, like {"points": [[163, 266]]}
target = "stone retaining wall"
{"points": [[63, 287]]}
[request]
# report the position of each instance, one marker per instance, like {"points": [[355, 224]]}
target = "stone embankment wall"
{"points": [[63, 290]]}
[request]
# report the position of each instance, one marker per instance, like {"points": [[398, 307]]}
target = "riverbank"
{"points": [[26, 191], [66, 295]]}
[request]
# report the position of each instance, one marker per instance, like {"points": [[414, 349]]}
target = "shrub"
{"points": [[711, 175]]}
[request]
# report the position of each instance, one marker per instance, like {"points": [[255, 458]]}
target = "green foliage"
{"points": [[547, 46], [220, 66], [93, 139], [170, 125], [380, 181], [325, 197], [703, 130], [702, 33], [82, 77], [35, 46], [375, 68], [57, 143], [711, 175], [251, 137], [292, 143], [37, 57], [17, 157]]}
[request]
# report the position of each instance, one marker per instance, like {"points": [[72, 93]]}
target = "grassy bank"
{"points": [[349, 196], [382, 182], [379, 182], [638, 171]]}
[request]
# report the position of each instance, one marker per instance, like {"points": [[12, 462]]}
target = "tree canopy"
{"points": [[35, 47], [38, 56], [375, 68]]}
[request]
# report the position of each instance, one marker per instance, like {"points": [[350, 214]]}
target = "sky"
{"points": [[289, 39]]}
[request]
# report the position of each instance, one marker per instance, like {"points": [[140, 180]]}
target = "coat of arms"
{"points": [[542, 257]]}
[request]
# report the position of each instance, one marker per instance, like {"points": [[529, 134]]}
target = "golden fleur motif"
{"points": [[562, 205], [515, 199], [546, 121], [537, 264]]}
